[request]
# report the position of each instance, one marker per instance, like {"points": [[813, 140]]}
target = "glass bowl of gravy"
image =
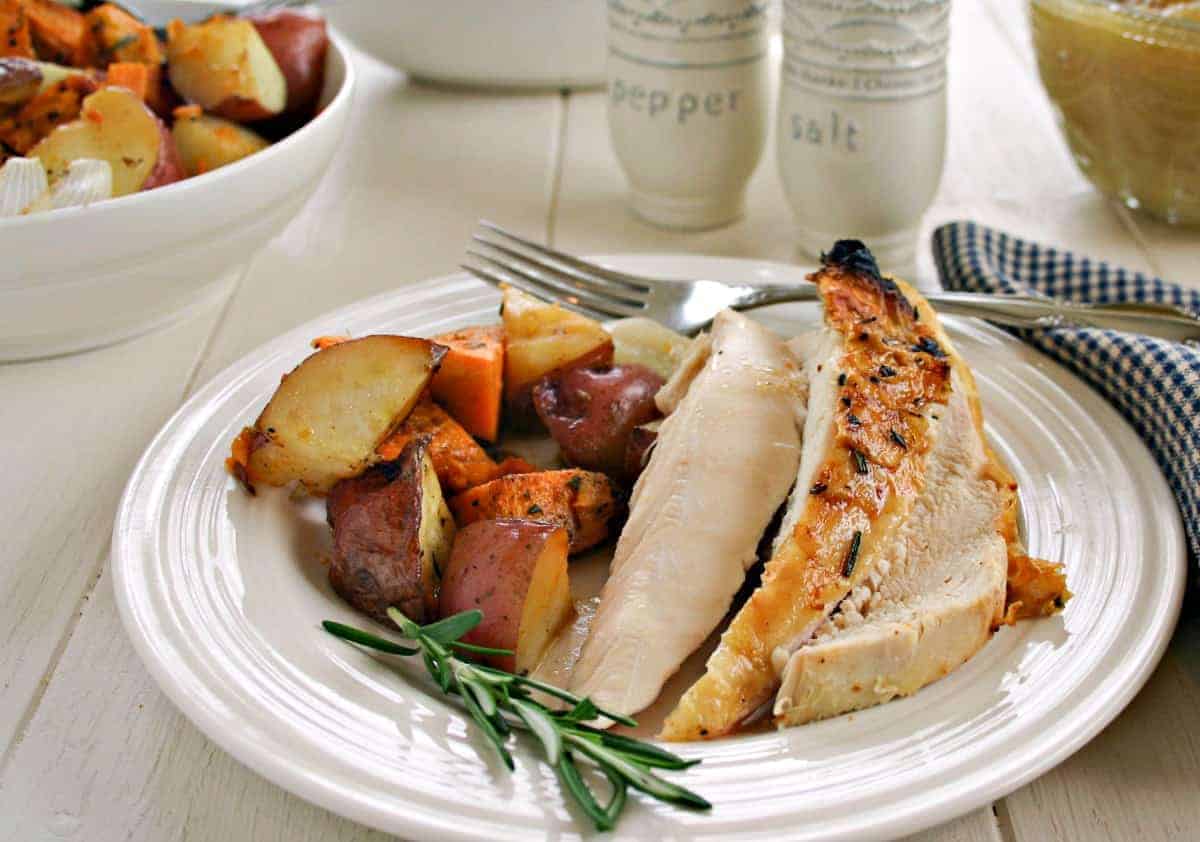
{"points": [[1124, 78]]}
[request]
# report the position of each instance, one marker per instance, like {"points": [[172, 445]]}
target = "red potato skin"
{"points": [[298, 41], [375, 518], [592, 412], [521, 412], [242, 110], [490, 569], [169, 167], [20, 79], [637, 452]]}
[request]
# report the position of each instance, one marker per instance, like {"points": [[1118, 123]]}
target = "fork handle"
{"points": [[1034, 312], [1024, 311]]}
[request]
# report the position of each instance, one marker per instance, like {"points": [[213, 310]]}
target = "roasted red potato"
{"points": [[114, 126], [224, 66], [541, 339], [328, 416], [470, 382], [646, 342], [637, 451], [298, 41], [458, 459], [392, 536], [592, 412], [20, 80], [515, 572], [582, 502], [15, 38], [206, 142]]}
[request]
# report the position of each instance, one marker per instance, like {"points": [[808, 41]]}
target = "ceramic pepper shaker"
{"points": [[687, 105]]}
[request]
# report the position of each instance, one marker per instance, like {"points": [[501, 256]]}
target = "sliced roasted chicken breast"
{"points": [[876, 379], [940, 585], [933, 598], [723, 462]]}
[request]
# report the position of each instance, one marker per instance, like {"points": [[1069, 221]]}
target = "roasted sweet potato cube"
{"points": [[15, 37], [458, 459], [60, 33], [470, 383], [57, 105], [118, 36], [582, 502]]}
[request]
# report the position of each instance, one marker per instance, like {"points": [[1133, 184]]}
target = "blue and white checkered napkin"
{"points": [[1153, 382]]}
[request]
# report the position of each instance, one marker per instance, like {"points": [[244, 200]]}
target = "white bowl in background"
{"points": [[483, 43], [80, 278]]}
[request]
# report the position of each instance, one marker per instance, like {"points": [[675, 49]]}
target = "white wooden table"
{"points": [[89, 748]]}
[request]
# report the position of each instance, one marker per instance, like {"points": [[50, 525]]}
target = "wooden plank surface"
{"points": [[68, 440], [979, 826], [106, 756]]}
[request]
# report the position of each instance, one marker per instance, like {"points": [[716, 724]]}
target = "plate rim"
{"points": [[337, 798]]}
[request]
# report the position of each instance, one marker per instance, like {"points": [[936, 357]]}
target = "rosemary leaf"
{"points": [[585, 711], [441, 676], [647, 754], [499, 701], [617, 802], [638, 776], [489, 729], [558, 693], [479, 650], [367, 639], [542, 726], [568, 773], [501, 724], [411, 630], [852, 554], [452, 628], [483, 696], [860, 462]]}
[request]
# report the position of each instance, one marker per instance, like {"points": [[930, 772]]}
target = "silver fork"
{"points": [[688, 306]]}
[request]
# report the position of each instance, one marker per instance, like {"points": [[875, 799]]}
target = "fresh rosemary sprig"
{"points": [[499, 701]]}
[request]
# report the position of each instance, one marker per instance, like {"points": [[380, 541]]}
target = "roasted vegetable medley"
{"points": [[140, 108], [429, 514]]}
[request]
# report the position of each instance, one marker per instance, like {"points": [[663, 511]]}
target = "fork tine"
{"points": [[575, 279], [487, 276], [589, 269], [557, 290]]}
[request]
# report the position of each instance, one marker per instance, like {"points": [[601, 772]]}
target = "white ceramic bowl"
{"points": [[489, 43], [79, 278]]}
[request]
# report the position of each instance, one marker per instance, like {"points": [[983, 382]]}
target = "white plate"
{"points": [[222, 594]]}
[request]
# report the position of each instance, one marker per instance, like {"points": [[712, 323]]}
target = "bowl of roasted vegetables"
{"points": [[165, 157]]}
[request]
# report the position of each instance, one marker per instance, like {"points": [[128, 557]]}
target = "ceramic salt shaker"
{"points": [[862, 120], [687, 105]]}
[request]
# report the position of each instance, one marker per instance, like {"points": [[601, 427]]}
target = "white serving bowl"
{"points": [[488, 43], [79, 278]]}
